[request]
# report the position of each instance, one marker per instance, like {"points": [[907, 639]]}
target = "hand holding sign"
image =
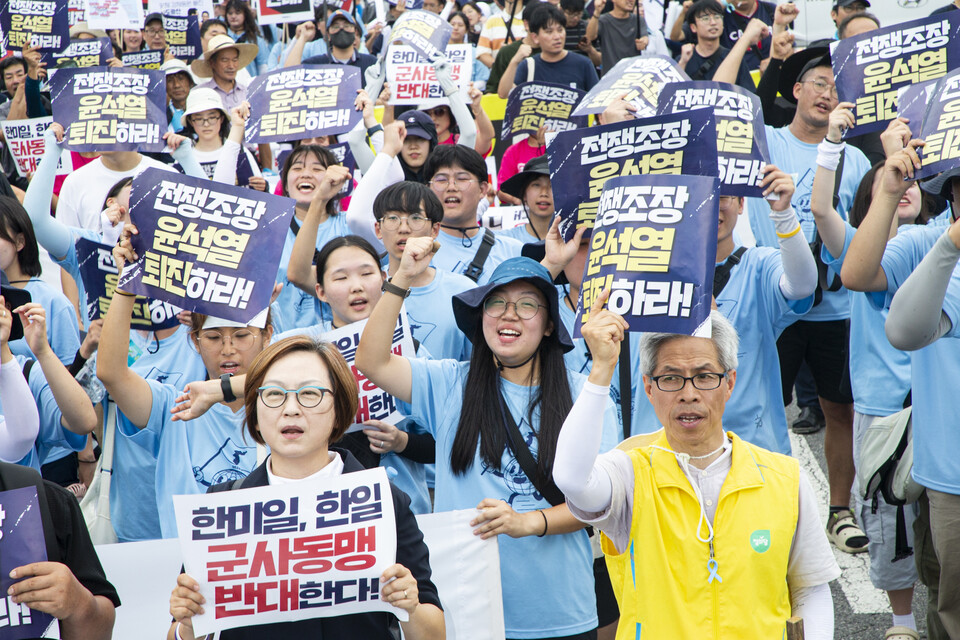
{"points": [[896, 136], [841, 119], [618, 111], [384, 437], [899, 169], [557, 252], [50, 587], [123, 253], [604, 333]]}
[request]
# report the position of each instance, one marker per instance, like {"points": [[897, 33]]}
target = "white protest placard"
{"points": [[115, 14], [506, 217], [26, 144], [180, 7], [282, 11], [413, 80], [289, 552], [375, 403]]}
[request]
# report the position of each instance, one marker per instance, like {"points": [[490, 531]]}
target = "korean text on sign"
{"points": [[289, 552], [640, 78]]}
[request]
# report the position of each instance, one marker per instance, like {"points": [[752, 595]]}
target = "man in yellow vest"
{"points": [[705, 535]]}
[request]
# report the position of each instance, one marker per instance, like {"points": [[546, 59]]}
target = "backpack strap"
{"points": [[549, 490], [626, 391], [530, 69], [27, 366], [15, 476], [480, 258], [721, 275]]}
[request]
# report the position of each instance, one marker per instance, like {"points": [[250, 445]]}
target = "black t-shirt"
{"points": [[700, 68], [362, 60]]}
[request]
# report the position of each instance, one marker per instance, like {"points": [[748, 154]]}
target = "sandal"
{"points": [[845, 534], [901, 633]]}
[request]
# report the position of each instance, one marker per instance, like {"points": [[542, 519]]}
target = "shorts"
{"points": [[825, 347]]}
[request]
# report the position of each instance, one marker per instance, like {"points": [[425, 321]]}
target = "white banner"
{"points": [[506, 217], [181, 7], [413, 80], [115, 14], [26, 143], [283, 11], [289, 552]]}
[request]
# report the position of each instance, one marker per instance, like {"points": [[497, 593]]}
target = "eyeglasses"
{"points": [[334, 28], [308, 396], [154, 32], [710, 17], [214, 340], [206, 121], [461, 180], [526, 308], [416, 222], [436, 112], [822, 85], [701, 381]]}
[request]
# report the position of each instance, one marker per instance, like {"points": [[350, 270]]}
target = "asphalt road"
{"points": [[861, 611]]}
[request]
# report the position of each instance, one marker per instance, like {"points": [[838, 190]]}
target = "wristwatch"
{"points": [[372, 130], [389, 287], [228, 395]]}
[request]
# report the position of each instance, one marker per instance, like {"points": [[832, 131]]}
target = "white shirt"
{"points": [[333, 469]]}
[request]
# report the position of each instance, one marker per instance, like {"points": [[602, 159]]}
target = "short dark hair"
{"points": [[191, 133], [409, 198], [323, 256], [8, 62], [116, 189], [701, 7], [545, 15], [14, 221], [572, 5], [212, 22], [455, 155], [842, 27]]}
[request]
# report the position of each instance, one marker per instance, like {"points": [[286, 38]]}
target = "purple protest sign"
{"points": [[640, 222], [941, 129], [21, 542], [146, 59], [207, 247], [183, 36], [345, 157], [871, 67], [741, 138], [640, 78], [581, 161], [302, 102], [111, 109], [98, 270], [82, 54], [532, 105], [426, 32], [912, 104], [410, 4], [44, 24]]}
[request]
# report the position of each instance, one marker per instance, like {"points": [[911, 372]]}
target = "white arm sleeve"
{"points": [[52, 234], [357, 140], [20, 423], [582, 481], [815, 606], [359, 214], [226, 169], [188, 161], [799, 278]]}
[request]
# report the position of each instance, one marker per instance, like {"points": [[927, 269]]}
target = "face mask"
{"points": [[342, 39]]}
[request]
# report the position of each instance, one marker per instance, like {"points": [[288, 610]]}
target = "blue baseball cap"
{"points": [[467, 305], [340, 13]]}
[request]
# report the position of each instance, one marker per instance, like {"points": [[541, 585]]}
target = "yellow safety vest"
{"points": [[662, 581]]}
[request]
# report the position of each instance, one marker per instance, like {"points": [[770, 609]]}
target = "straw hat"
{"points": [[81, 27], [202, 99], [247, 52]]}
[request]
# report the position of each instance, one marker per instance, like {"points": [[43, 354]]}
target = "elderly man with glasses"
{"points": [[705, 534]]}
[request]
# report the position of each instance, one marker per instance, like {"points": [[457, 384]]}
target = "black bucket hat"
{"points": [[816, 55], [517, 184], [467, 305]]}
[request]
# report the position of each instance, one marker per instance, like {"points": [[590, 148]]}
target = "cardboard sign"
{"points": [[413, 80]]}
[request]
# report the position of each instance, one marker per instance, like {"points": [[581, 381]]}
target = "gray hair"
{"points": [[723, 335]]}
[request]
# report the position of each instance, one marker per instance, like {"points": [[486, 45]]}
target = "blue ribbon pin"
{"points": [[712, 567]]}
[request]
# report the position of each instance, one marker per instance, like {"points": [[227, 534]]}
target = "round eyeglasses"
{"points": [[308, 396], [525, 308]]}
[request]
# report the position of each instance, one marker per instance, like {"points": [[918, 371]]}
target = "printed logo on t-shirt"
{"points": [[230, 462], [164, 377], [522, 495]]}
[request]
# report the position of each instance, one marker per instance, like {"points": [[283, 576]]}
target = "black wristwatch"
{"points": [[228, 395], [389, 287], [372, 130]]}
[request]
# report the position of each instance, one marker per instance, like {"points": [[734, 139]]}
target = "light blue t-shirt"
{"points": [[63, 332], [520, 234], [799, 159], [547, 582], [52, 434], [191, 456], [295, 308], [936, 414], [280, 51], [753, 303], [71, 264], [879, 373], [457, 252], [133, 497], [430, 312]]}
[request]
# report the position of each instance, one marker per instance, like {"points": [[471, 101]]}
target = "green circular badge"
{"points": [[760, 540]]}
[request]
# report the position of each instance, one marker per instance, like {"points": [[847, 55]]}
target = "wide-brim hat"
{"points": [[798, 64], [202, 99], [81, 27], [258, 321], [246, 51], [939, 185], [517, 184], [174, 66], [467, 306]]}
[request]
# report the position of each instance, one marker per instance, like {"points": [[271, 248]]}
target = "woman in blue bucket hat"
{"points": [[496, 420]]}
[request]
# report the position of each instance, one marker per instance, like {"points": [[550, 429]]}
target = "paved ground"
{"points": [[862, 612]]}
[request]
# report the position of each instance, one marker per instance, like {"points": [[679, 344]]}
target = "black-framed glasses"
{"points": [[702, 381], [416, 222], [309, 396], [334, 28], [207, 121], [525, 308]]}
